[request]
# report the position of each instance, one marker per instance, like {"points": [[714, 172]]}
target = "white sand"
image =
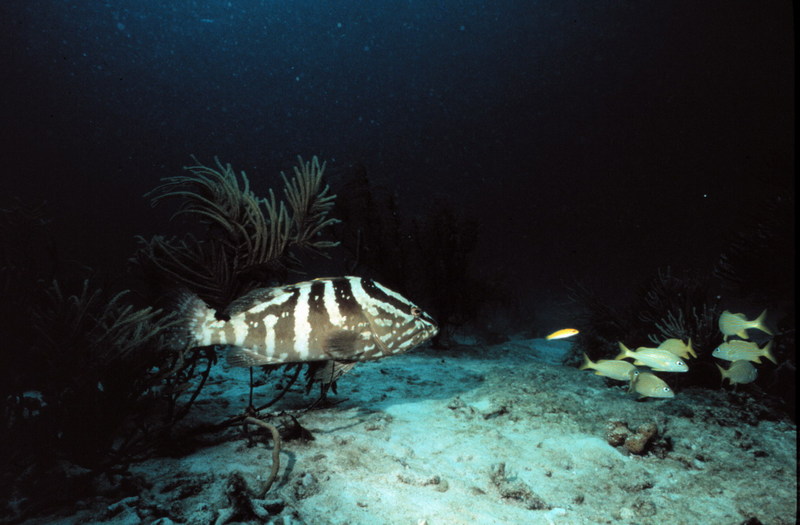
{"points": [[495, 435]]}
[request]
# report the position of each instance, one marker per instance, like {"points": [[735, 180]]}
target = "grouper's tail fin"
{"points": [[188, 311]]}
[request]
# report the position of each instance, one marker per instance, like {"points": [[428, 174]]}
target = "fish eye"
{"points": [[416, 311], [667, 389]]}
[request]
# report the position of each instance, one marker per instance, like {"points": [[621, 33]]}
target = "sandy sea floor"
{"points": [[491, 435]]}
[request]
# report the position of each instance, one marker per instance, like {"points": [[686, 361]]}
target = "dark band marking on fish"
{"points": [[317, 315], [384, 295], [344, 298]]}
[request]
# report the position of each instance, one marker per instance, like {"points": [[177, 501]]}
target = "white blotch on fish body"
{"points": [[302, 328]]}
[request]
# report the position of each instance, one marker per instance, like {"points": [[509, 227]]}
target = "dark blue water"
{"points": [[591, 139]]}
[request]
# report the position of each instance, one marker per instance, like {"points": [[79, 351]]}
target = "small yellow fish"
{"points": [[620, 370], [679, 348], [658, 359], [740, 372], [562, 334], [743, 350], [737, 324], [650, 385]]}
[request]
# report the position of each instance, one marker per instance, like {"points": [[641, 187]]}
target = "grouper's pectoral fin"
{"points": [[344, 345], [238, 356]]}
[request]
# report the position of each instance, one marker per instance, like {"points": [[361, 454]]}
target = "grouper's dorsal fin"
{"points": [[253, 298]]}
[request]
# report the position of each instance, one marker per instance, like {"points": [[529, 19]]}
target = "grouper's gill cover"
{"points": [[343, 319]]}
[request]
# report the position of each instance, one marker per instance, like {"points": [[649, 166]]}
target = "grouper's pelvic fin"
{"points": [[326, 373]]}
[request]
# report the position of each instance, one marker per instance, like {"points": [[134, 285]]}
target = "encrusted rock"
{"points": [[637, 443], [619, 434], [616, 432], [516, 491]]}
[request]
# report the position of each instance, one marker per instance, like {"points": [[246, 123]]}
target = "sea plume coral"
{"points": [[680, 306], [244, 240], [81, 401]]}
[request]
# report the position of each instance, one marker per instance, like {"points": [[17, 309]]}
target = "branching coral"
{"points": [[86, 393], [247, 239], [373, 236], [428, 257], [27, 255], [669, 305], [758, 262], [103, 381], [310, 205], [680, 307], [98, 361]]}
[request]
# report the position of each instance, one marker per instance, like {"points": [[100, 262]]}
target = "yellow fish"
{"points": [[656, 358], [740, 372], [650, 385], [743, 350], [562, 334], [679, 348], [620, 370], [737, 324]]}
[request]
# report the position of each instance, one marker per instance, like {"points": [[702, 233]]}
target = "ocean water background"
{"points": [[593, 141]]}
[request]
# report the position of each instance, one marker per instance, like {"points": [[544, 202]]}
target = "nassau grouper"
{"points": [[341, 319]]}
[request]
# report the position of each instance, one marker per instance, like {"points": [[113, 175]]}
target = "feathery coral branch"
{"points": [[248, 238]]}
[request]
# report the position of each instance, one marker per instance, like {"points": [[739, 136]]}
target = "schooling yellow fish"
{"points": [[679, 348], [737, 324], [743, 350], [650, 385], [620, 370], [658, 359], [562, 334], [740, 372]]}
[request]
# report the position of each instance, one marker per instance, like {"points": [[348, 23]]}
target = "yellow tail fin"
{"points": [[759, 323], [768, 353], [724, 374], [624, 351], [691, 350]]}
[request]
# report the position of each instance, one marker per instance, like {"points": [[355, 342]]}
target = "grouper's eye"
{"points": [[416, 311]]}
